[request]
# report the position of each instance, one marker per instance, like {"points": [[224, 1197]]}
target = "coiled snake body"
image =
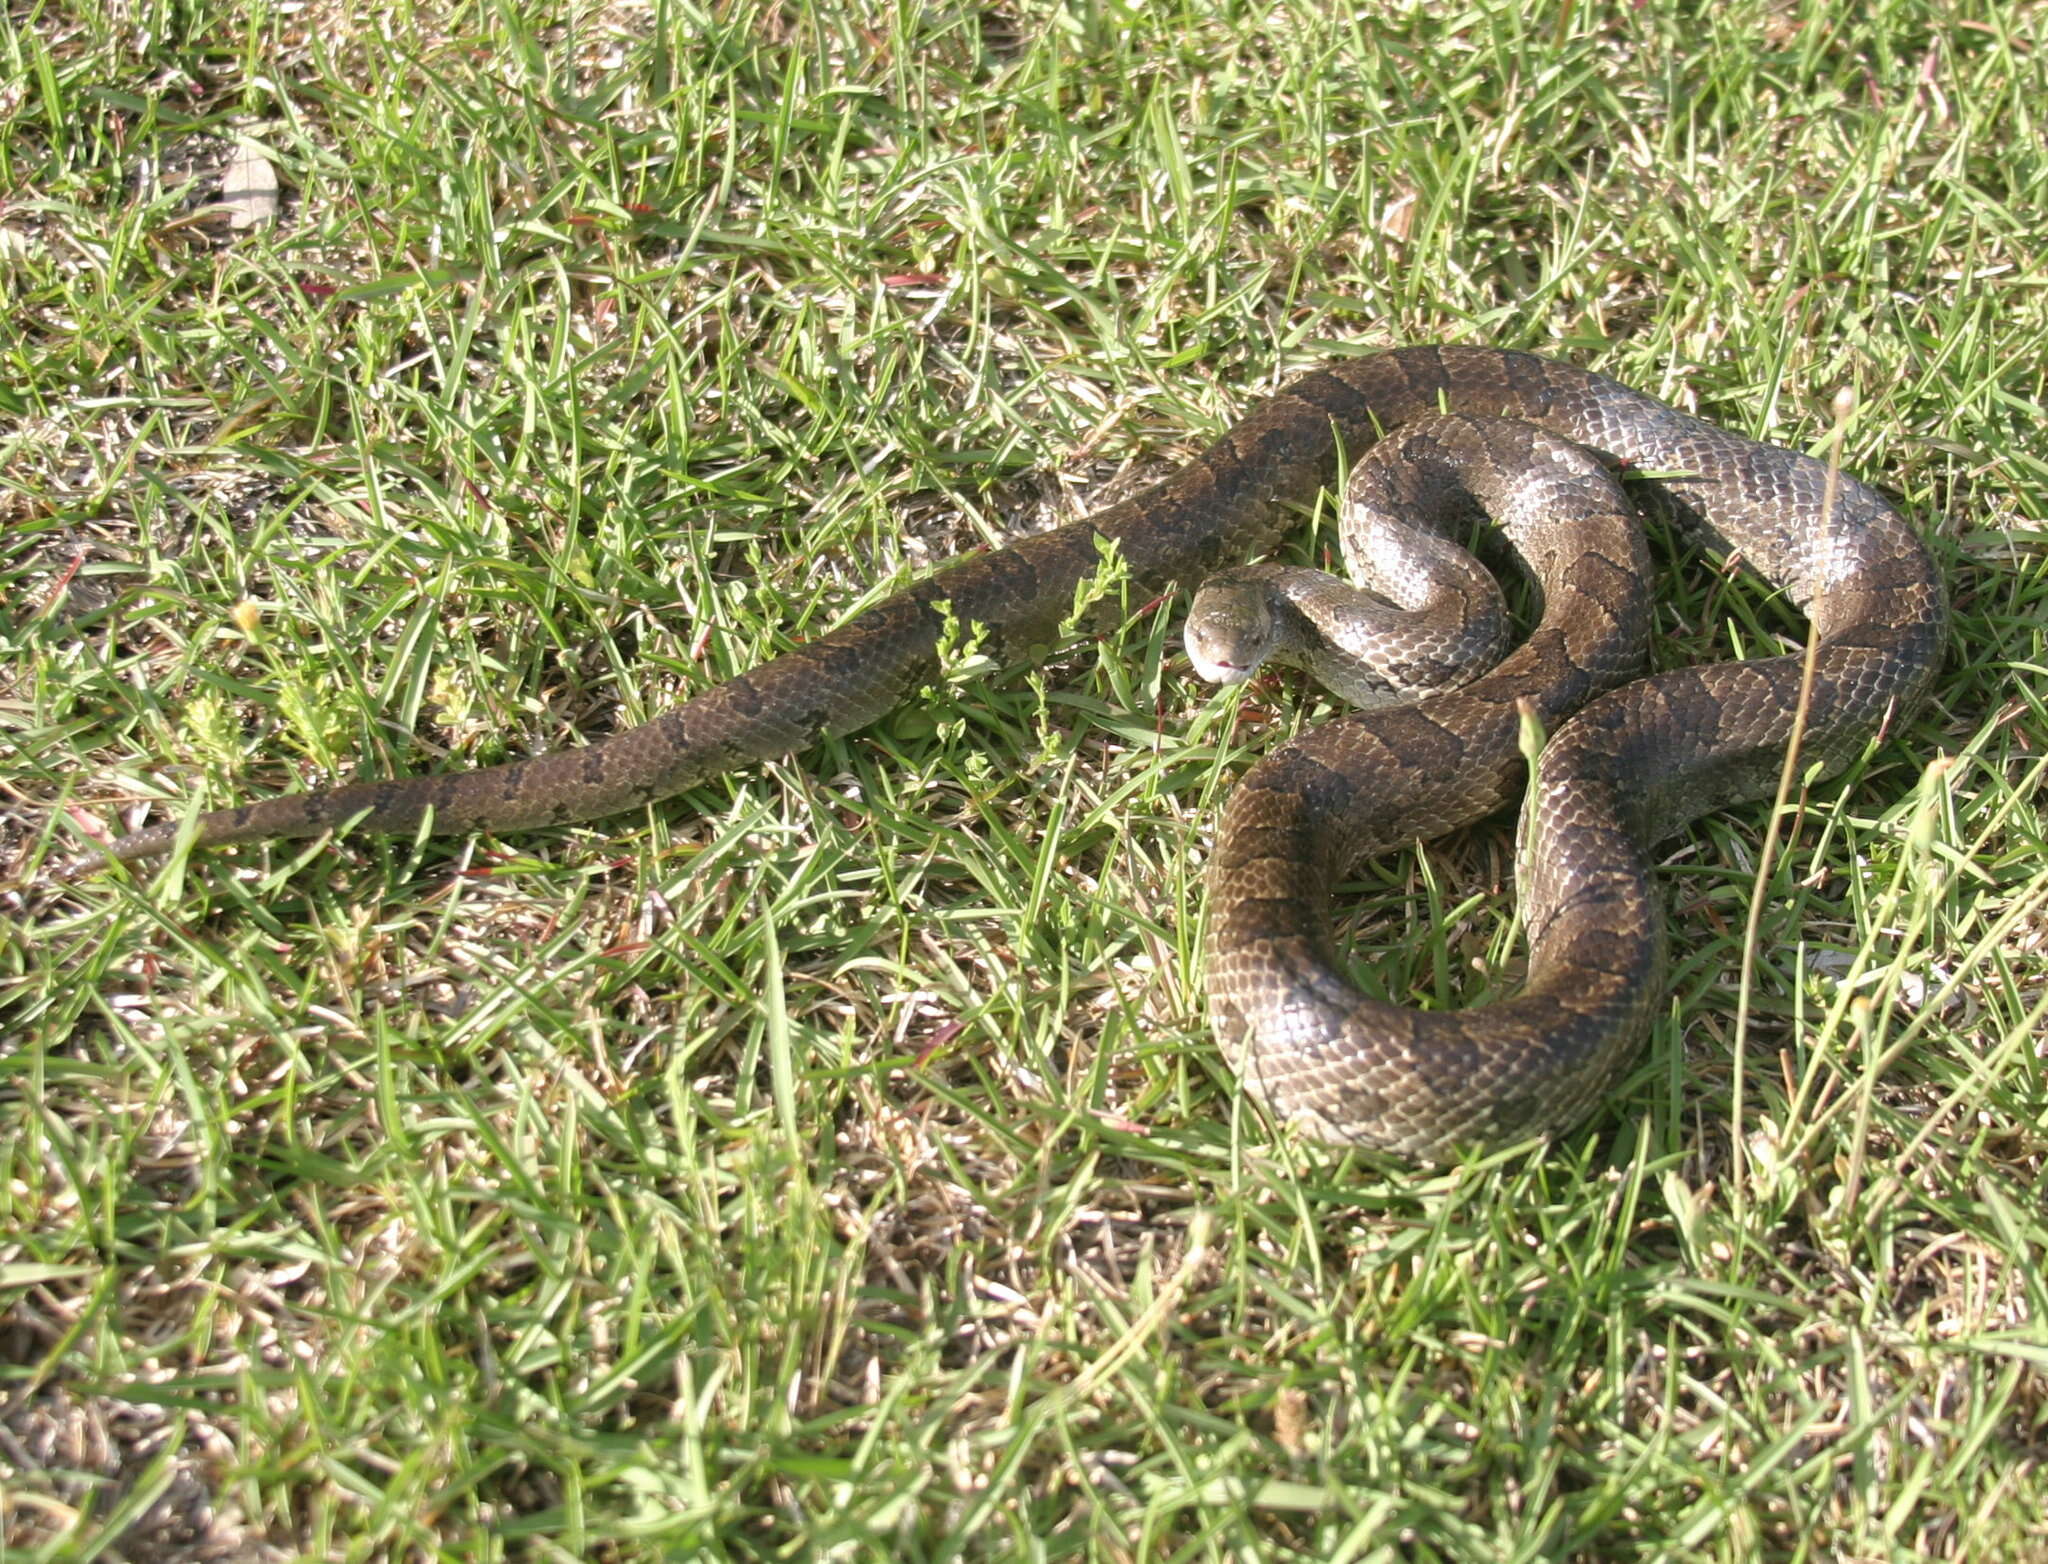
{"points": [[1635, 764]]}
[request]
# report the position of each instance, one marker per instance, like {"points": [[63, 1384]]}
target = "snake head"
{"points": [[1231, 629]]}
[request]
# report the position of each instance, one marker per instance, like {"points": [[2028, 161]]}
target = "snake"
{"points": [[1627, 760]]}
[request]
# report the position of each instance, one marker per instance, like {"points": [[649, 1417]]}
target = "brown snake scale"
{"points": [[1635, 764]]}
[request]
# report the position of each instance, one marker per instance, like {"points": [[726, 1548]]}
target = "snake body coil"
{"points": [[1636, 763]]}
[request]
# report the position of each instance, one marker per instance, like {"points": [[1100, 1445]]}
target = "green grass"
{"points": [[834, 1162]]}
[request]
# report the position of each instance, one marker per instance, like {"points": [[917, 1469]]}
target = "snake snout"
{"points": [[1220, 670]]}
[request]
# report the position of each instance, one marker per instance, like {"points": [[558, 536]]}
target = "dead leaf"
{"points": [[248, 187]]}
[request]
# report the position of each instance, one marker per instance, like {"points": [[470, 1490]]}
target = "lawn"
{"points": [[834, 1162]]}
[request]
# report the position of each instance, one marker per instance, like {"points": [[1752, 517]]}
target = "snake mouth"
{"points": [[1219, 671]]}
